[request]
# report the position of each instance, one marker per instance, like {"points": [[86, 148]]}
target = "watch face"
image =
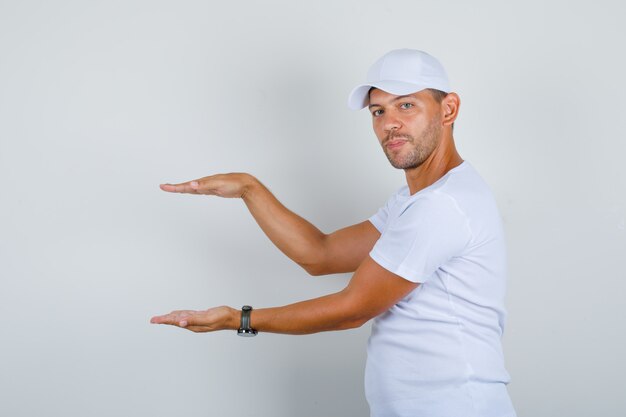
{"points": [[246, 308], [246, 332]]}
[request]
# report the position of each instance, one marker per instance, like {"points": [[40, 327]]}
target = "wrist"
{"points": [[250, 185], [234, 319]]}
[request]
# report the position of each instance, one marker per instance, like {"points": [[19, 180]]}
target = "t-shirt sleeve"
{"points": [[428, 233], [380, 218]]}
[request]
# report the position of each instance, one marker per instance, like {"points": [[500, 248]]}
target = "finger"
{"points": [[181, 318], [191, 318], [207, 185], [165, 319], [173, 318], [190, 187], [157, 319], [167, 316], [160, 320]]}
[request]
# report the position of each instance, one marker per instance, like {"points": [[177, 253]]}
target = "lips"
{"points": [[395, 143]]}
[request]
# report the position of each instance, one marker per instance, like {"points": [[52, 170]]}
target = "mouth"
{"points": [[396, 140], [395, 143]]}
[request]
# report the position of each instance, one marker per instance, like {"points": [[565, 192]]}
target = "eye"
{"points": [[406, 105], [377, 113]]}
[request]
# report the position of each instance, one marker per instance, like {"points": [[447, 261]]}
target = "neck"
{"points": [[443, 159]]}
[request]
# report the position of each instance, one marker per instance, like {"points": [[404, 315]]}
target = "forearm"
{"points": [[327, 313], [371, 291], [294, 236], [337, 311]]}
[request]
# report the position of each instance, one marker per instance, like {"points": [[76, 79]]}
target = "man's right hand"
{"points": [[233, 185]]}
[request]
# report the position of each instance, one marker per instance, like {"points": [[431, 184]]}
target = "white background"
{"points": [[102, 101]]}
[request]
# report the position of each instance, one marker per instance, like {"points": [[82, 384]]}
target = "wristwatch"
{"points": [[245, 329]]}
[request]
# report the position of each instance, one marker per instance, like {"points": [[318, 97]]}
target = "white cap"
{"points": [[399, 72]]}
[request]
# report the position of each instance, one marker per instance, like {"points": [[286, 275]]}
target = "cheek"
{"points": [[417, 124], [375, 123]]}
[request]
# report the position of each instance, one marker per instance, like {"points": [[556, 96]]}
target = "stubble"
{"points": [[420, 149]]}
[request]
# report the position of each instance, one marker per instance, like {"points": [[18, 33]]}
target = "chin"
{"points": [[403, 163]]}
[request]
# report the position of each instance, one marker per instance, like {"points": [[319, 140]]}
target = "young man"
{"points": [[429, 266]]}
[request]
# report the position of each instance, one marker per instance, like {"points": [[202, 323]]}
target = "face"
{"points": [[408, 127]]}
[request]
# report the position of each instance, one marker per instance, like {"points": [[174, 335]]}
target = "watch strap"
{"points": [[244, 328]]}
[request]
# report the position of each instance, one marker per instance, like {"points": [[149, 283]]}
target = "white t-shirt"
{"points": [[437, 352]]}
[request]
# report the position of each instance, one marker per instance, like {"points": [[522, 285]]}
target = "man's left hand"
{"points": [[217, 318]]}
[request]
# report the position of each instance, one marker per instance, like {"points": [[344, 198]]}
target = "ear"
{"points": [[450, 106]]}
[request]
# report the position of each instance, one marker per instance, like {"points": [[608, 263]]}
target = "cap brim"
{"points": [[359, 97]]}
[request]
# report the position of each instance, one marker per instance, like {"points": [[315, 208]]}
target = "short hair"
{"points": [[438, 95]]}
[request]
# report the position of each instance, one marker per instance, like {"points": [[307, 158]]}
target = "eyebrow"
{"points": [[395, 99]]}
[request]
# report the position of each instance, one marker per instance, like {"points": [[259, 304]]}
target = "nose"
{"points": [[390, 122]]}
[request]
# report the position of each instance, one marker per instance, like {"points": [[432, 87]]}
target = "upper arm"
{"points": [[345, 249], [374, 290]]}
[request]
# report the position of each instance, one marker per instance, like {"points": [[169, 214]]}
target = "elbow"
{"points": [[355, 318], [314, 269], [316, 262], [356, 311], [354, 322]]}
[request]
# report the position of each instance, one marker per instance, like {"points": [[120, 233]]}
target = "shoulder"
{"points": [[473, 197], [466, 187], [435, 208]]}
